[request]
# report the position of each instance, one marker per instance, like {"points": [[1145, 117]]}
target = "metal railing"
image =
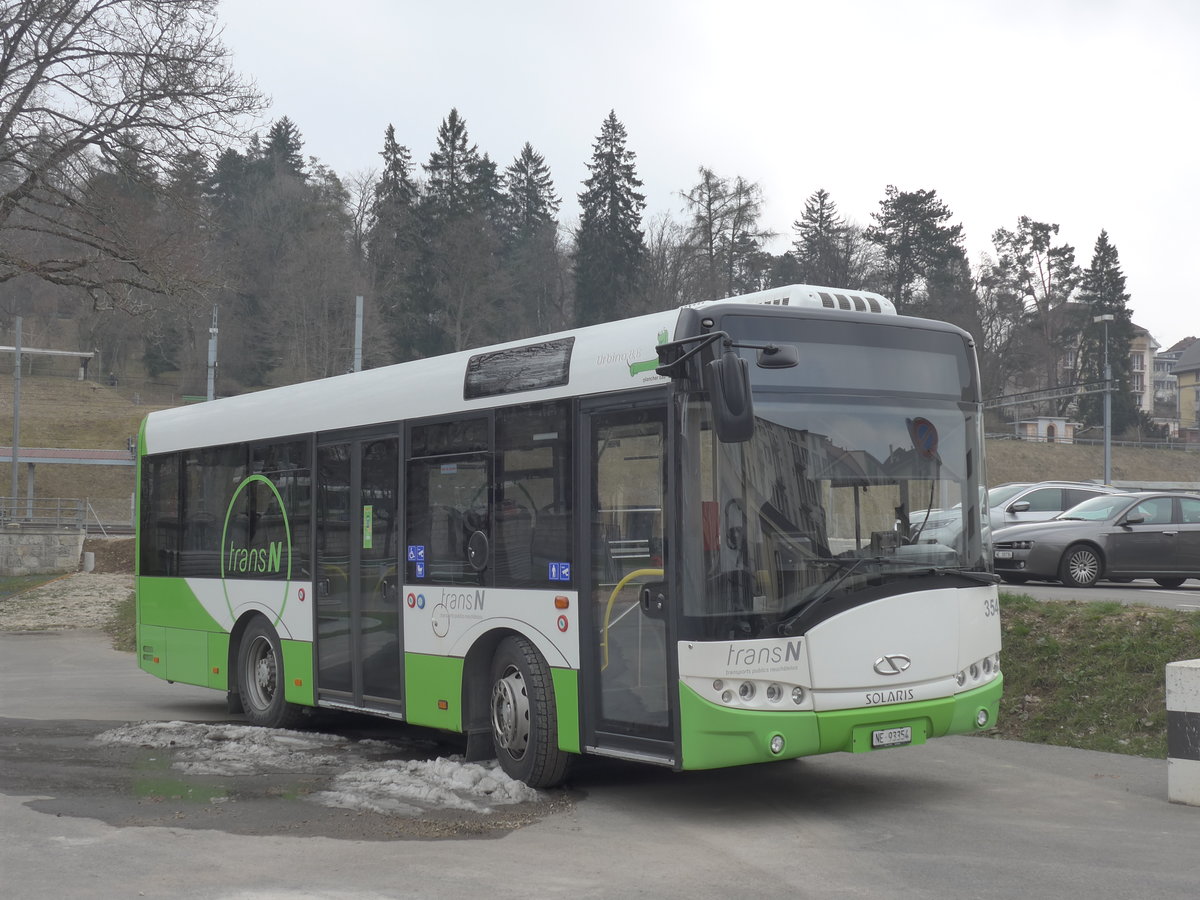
{"points": [[43, 512], [1149, 444]]}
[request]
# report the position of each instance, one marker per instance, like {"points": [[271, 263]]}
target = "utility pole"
{"points": [[16, 440], [358, 329], [1106, 318], [212, 355]]}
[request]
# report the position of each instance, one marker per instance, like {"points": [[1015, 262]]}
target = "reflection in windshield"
{"points": [[1095, 509], [827, 498]]}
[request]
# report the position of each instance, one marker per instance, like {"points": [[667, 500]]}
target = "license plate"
{"points": [[891, 737], [1003, 554]]}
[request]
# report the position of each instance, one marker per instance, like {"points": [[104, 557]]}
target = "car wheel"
{"points": [[1081, 566], [1169, 582], [1015, 579]]}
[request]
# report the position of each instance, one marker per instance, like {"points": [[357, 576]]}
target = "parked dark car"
{"points": [[1144, 534]]}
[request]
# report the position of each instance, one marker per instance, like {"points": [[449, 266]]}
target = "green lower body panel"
{"points": [[715, 736], [299, 686], [566, 701], [433, 691]]}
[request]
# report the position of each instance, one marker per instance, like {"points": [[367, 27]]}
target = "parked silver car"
{"points": [[1008, 504], [1017, 503], [1143, 534]]}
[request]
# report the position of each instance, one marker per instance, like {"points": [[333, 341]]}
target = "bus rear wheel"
{"points": [[261, 678], [523, 716]]}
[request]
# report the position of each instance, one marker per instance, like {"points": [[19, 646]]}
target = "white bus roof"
{"points": [[613, 356]]}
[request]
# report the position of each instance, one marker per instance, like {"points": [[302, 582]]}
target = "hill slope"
{"points": [[60, 412]]}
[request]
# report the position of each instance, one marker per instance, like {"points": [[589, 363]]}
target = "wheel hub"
{"points": [[1084, 567], [510, 713]]}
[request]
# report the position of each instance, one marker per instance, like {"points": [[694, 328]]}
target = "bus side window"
{"points": [[160, 522], [447, 481], [532, 502]]}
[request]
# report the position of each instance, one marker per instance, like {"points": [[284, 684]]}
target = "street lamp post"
{"points": [[1106, 318]]}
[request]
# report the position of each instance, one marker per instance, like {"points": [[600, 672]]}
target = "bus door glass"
{"points": [[630, 695], [358, 618]]}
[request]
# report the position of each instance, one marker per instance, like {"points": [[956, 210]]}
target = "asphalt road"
{"points": [[1186, 596], [959, 817]]}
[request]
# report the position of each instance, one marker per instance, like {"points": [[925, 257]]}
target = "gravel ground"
{"points": [[78, 600], [81, 600]]}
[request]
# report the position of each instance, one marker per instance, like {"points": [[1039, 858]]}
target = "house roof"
{"points": [[1181, 345], [1190, 360]]}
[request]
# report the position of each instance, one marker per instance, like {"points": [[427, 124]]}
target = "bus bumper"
{"points": [[714, 736]]}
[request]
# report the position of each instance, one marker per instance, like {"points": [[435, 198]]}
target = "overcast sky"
{"points": [[1076, 112]]}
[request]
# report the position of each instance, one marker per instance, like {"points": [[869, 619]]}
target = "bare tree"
{"points": [[93, 84], [360, 187]]}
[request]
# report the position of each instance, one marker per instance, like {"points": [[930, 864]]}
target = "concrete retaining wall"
{"points": [[39, 551]]}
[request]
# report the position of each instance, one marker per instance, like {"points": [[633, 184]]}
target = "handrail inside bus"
{"points": [[612, 598]]}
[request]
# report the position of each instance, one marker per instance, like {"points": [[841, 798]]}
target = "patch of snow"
{"points": [[360, 778]]}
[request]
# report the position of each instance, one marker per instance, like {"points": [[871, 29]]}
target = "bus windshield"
{"points": [[828, 498]]}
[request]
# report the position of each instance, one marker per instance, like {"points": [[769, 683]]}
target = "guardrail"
{"points": [[43, 512]]}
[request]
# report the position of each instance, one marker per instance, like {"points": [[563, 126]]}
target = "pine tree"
{"points": [[530, 201], [392, 238], [1103, 291], [281, 150], [609, 245], [820, 245], [533, 262], [458, 293], [910, 229], [452, 167]]}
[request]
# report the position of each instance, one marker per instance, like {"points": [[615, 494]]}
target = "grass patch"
{"points": [[1090, 675], [122, 627], [11, 585]]}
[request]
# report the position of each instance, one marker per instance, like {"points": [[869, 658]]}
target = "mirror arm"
{"points": [[672, 366]]}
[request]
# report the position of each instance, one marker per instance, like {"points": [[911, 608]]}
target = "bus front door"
{"points": [[628, 700], [358, 613]]}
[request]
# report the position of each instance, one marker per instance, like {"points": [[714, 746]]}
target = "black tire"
{"points": [[1169, 582], [1081, 566], [261, 678], [1014, 579], [523, 715]]}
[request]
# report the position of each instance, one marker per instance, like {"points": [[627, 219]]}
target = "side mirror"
{"points": [[1134, 520], [728, 384], [1019, 506]]}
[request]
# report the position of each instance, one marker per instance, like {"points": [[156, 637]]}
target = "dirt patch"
{"points": [[114, 556]]}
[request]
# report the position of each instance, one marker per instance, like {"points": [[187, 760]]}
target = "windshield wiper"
{"points": [[980, 577], [845, 569]]}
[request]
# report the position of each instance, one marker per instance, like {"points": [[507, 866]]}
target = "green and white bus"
{"points": [[691, 538]]}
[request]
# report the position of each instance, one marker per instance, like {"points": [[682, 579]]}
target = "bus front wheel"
{"points": [[523, 716], [261, 678]]}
